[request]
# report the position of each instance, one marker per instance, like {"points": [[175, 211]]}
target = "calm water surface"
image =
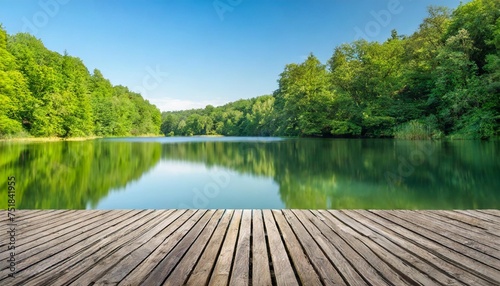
{"points": [[196, 172]]}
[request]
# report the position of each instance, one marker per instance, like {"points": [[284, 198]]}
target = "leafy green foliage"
{"points": [[43, 93], [307, 96], [443, 80], [243, 117], [479, 18], [416, 130]]}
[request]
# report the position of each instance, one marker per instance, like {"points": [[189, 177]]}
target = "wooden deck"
{"points": [[254, 247]]}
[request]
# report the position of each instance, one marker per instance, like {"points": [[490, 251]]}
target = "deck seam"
{"points": [[256, 247], [451, 251], [287, 250]]}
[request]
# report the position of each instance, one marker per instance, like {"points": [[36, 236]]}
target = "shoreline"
{"points": [[47, 139], [58, 139]]}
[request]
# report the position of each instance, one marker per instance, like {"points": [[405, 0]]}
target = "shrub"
{"points": [[416, 130]]}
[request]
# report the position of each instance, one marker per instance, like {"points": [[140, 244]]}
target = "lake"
{"points": [[234, 172]]}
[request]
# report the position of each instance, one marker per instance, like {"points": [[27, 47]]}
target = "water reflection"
{"points": [[72, 175], [382, 174], [293, 173]]}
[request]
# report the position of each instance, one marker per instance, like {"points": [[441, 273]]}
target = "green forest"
{"points": [[46, 94], [443, 81]]}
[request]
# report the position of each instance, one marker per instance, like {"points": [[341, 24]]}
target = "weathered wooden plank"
{"points": [[38, 246], [141, 272], [417, 244], [181, 272], [42, 223], [203, 270], [328, 246], [22, 218], [115, 235], [166, 266], [33, 216], [33, 231], [471, 232], [235, 247], [54, 217], [283, 271], [339, 238], [387, 263], [448, 238], [429, 265], [328, 273], [161, 244], [28, 214], [481, 243], [240, 273], [491, 212], [351, 238], [491, 222], [112, 249], [31, 226], [169, 262], [138, 249], [484, 215], [38, 265], [445, 248], [46, 237], [306, 272], [486, 227], [261, 271], [222, 270]]}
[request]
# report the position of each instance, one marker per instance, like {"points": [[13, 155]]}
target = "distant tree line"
{"points": [[244, 117], [44, 93], [443, 80]]}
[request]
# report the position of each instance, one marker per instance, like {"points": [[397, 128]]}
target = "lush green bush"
{"points": [[345, 128], [416, 130], [9, 126], [476, 126]]}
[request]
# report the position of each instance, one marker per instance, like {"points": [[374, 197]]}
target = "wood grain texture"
{"points": [[255, 247]]}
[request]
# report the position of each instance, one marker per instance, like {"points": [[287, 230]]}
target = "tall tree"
{"points": [[304, 98], [479, 18], [15, 103]]}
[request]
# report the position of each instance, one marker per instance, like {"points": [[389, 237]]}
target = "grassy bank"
{"points": [[46, 139], [53, 139]]}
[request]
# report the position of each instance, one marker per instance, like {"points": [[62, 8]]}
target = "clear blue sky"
{"points": [[205, 51]]}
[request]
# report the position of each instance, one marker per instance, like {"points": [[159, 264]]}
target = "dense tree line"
{"points": [[443, 80], [44, 93], [244, 117]]}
